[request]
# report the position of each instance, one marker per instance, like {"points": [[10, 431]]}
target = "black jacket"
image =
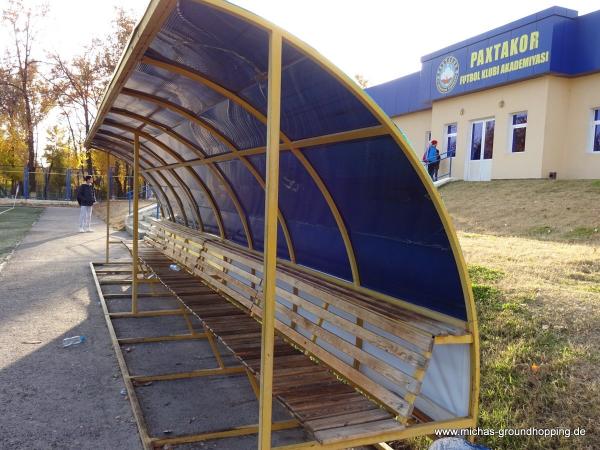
{"points": [[86, 195]]}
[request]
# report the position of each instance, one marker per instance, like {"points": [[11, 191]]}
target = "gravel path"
{"points": [[54, 397]]}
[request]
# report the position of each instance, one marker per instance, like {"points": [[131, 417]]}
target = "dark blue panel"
{"points": [[237, 125], [314, 103], [216, 44], [234, 229], [201, 137], [252, 198], [175, 88], [317, 240], [400, 243], [207, 214], [242, 129]]}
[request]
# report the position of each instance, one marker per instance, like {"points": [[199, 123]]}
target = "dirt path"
{"points": [[54, 397]]}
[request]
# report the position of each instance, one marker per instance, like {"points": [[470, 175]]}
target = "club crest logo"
{"points": [[447, 75]]}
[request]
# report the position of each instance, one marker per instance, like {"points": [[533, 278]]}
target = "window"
{"points": [[451, 140], [596, 131], [518, 130]]}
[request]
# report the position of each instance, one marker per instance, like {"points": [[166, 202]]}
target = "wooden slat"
{"points": [[357, 431], [343, 420], [212, 261]]}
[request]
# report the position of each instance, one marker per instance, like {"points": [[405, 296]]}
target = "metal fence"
{"points": [[44, 184]]}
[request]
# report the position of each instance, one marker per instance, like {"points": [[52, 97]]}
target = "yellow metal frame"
{"points": [[188, 115], [190, 198], [123, 155], [198, 151], [189, 170], [130, 381], [152, 22]]}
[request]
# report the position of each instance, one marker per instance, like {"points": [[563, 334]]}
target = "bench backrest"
{"points": [[382, 351]]}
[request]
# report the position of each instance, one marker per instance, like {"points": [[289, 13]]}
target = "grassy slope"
{"points": [[533, 248], [14, 225]]}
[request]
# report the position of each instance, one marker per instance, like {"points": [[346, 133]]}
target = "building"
{"points": [[520, 101]]}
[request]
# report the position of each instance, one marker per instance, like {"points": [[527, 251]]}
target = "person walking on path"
{"points": [[433, 160], [86, 197]]}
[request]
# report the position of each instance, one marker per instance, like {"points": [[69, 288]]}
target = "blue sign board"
{"points": [[555, 40]]}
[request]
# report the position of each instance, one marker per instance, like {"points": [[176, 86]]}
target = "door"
{"points": [[479, 164]]}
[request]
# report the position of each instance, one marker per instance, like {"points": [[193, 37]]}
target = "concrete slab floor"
{"points": [[69, 398]]}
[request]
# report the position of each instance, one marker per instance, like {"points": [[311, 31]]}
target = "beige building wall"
{"points": [[498, 103], [414, 126], [578, 160], [559, 128], [556, 137]]}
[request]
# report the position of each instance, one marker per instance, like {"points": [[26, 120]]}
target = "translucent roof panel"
{"points": [[355, 202]]}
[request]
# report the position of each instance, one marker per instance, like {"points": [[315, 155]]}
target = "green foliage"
{"points": [[523, 367], [14, 224], [541, 231], [481, 274], [581, 233]]}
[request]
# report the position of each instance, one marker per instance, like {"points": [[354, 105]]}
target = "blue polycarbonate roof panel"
{"points": [[232, 221], [317, 240], [394, 229], [209, 144], [224, 48], [205, 209], [401, 246], [252, 198]]}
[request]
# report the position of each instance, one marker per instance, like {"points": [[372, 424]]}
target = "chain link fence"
{"points": [[45, 184]]}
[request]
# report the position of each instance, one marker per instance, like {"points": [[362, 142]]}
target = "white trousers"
{"points": [[85, 217]]}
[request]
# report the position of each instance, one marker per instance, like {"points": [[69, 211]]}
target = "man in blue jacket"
{"points": [[433, 160], [86, 197]]}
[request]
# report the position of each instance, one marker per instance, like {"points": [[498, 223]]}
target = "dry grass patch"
{"points": [[541, 209], [533, 250]]}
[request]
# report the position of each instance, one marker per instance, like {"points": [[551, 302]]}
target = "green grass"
{"points": [[481, 274], [14, 225], [524, 365], [581, 233]]}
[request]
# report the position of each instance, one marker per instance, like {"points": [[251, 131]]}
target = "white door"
{"points": [[481, 150]]}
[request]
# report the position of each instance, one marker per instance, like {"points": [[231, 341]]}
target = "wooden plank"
{"points": [[374, 363], [357, 431], [392, 347], [344, 420]]}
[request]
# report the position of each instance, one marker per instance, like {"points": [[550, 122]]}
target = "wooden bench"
{"points": [[372, 355]]}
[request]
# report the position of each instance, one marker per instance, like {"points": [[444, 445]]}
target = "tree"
{"points": [[21, 75], [362, 82], [78, 84], [78, 87], [59, 157]]}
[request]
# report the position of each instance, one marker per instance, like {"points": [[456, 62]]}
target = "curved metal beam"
{"points": [[160, 196], [168, 183], [115, 151], [124, 155], [216, 133], [215, 170], [176, 156], [202, 79], [177, 199]]}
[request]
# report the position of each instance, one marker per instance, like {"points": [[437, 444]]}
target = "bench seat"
{"points": [[372, 355]]}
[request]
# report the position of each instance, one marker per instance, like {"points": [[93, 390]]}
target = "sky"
{"points": [[379, 39]]}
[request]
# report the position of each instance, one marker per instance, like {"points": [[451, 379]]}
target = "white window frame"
{"points": [[447, 135], [511, 131], [593, 131]]}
